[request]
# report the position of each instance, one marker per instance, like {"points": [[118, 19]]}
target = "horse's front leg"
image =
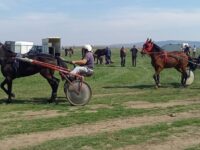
{"points": [[10, 94], [9, 90], [156, 76], [158, 80]]}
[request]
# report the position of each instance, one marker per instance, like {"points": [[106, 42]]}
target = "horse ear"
{"points": [[147, 40]]}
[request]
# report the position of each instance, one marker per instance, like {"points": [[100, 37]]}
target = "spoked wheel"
{"points": [[78, 93]]}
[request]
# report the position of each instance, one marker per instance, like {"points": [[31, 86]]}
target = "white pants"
{"points": [[79, 69]]}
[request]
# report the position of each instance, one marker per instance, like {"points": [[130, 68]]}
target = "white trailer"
{"points": [[21, 47], [51, 45]]}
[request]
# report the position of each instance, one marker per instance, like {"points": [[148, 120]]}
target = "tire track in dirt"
{"points": [[176, 142], [112, 125], [111, 94], [145, 104], [29, 115]]}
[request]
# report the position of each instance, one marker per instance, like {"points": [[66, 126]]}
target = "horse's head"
{"points": [[5, 53], [147, 47]]}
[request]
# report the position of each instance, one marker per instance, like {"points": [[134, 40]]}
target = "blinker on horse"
{"points": [[161, 59], [7, 58]]}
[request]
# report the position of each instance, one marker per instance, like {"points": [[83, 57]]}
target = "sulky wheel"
{"points": [[78, 93], [190, 78]]}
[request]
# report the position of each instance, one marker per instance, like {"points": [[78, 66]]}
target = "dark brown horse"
{"points": [[98, 55], [69, 52], [161, 59], [12, 69]]}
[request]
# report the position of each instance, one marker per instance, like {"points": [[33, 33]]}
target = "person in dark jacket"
{"points": [[108, 55], [123, 56], [134, 51], [187, 50]]}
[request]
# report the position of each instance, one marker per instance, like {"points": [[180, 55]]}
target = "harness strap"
{"points": [[165, 57]]}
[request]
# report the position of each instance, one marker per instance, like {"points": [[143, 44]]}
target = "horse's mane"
{"points": [[157, 48], [6, 49]]}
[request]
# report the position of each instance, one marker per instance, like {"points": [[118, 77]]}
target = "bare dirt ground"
{"points": [[145, 104], [28, 115], [176, 142], [111, 94], [23, 140]]}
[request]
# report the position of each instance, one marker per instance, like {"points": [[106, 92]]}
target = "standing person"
{"points": [[123, 56], [86, 64], [108, 55], [187, 50], [194, 51], [134, 51]]}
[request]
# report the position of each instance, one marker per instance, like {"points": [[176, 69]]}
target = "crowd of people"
{"points": [[86, 64], [123, 53], [189, 50]]}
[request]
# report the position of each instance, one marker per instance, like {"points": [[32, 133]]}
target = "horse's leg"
{"points": [[54, 82], [10, 94], [9, 90], [3, 86], [184, 77], [156, 77], [97, 60]]}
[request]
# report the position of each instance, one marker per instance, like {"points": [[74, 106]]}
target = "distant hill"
{"points": [[160, 43]]}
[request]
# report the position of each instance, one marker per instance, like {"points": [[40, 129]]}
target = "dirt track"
{"points": [[112, 125], [175, 142], [88, 129]]}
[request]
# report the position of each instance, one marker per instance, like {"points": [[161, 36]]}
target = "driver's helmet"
{"points": [[88, 47]]}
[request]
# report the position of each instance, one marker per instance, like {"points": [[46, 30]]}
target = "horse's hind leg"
{"points": [[54, 82], [184, 78]]}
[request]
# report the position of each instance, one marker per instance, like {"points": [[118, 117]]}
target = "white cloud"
{"points": [[117, 26]]}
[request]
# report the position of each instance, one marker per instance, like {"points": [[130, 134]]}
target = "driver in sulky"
{"points": [[86, 64]]}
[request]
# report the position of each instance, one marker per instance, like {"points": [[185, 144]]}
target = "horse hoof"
{"points": [[182, 86], [12, 95], [56, 102], [156, 87], [54, 99], [50, 101], [8, 101]]}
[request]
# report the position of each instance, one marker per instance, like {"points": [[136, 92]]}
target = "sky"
{"points": [[99, 22]]}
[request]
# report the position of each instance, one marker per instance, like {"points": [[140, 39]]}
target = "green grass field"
{"points": [[119, 93]]}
